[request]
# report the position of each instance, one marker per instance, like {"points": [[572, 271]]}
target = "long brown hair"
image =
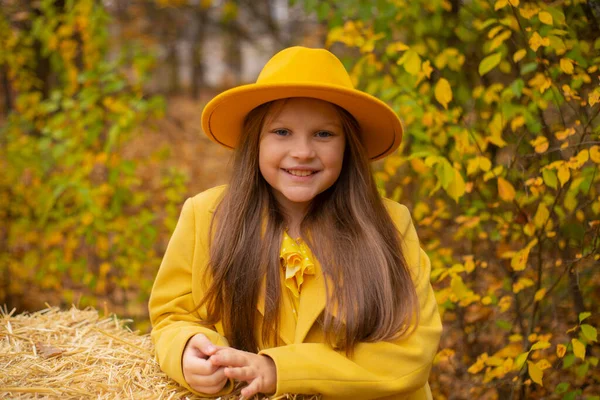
{"points": [[351, 234]]}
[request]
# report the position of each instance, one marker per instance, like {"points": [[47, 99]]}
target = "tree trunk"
{"points": [[201, 21]]}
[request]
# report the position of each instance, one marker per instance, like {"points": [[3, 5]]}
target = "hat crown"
{"points": [[304, 65]]}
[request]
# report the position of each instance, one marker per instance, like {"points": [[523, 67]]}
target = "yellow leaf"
{"points": [[540, 144], [484, 163], [494, 31], [505, 190], [535, 373], [536, 41], [458, 287], [498, 40], [519, 54], [469, 264], [519, 261], [412, 62], [563, 173], [566, 66], [489, 63], [443, 92], [517, 122], [87, 218], [427, 70], [562, 135], [595, 154], [515, 338], [478, 365], [578, 348], [472, 166], [539, 294], [594, 97], [545, 17], [521, 284], [456, 188], [528, 11], [514, 3], [520, 360], [541, 215], [543, 364], [443, 355], [561, 349], [500, 4], [104, 269], [505, 303], [396, 47]]}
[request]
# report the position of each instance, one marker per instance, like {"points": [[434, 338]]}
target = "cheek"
{"points": [[266, 159], [335, 157]]}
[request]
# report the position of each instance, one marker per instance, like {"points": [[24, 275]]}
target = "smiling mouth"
{"points": [[297, 172]]}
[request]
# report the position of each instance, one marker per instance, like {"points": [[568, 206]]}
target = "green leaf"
{"points": [[589, 332], [517, 87], [571, 395], [520, 360], [502, 324], [583, 316], [489, 63], [582, 370], [323, 10], [529, 67], [550, 178], [568, 360], [561, 388]]}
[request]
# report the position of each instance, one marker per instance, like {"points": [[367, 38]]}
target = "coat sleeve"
{"points": [[171, 306], [375, 369]]}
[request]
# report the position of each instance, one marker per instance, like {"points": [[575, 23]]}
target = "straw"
{"points": [[77, 354]]}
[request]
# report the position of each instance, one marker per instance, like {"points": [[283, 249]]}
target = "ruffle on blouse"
{"points": [[297, 260]]}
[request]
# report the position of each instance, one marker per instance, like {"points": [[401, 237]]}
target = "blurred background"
{"points": [[101, 143]]}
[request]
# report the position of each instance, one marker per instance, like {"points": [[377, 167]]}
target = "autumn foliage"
{"points": [[76, 218], [499, 163]]}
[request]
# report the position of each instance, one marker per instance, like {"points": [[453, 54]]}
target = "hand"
{"points": [[259, 371], [202, 375]]}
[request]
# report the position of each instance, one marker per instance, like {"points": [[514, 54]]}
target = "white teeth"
{"points": [[299, 172]]}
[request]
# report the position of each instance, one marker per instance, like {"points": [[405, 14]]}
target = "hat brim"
{"points": [[381, 130]]}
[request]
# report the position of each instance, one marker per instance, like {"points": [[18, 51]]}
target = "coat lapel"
{"points": [[287, 322], [312, 303]]}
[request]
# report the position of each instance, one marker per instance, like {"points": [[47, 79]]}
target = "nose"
{"points": [[303, 147]]}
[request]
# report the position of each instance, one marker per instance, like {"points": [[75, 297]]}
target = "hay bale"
{"points": [[77, 354]]}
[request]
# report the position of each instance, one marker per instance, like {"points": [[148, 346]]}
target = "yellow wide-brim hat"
{"points": [[304, 72]]}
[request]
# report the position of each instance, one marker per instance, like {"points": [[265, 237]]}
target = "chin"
{"points": [[299, 198]]}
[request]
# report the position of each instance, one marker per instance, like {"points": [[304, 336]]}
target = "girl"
{"points": [[297, 277]]}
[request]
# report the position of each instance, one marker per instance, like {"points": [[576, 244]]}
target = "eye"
{"points": [[281, 132], [323, 134]]}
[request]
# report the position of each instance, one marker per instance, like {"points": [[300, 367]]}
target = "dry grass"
{"points": [[77, 354]]}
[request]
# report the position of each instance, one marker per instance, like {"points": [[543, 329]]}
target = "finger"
{"points": [[203, 345], [208, 389], [199, 366], [240, 374], [229, 358], [251, 389], [217, 379]]}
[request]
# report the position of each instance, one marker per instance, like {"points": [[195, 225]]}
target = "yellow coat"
{"points": [[305, 364]]}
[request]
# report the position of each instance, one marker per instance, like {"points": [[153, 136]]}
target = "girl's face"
{"points": [[301, 150]]}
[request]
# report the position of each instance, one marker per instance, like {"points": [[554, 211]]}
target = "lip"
{"points": [[301, 169], [297, 178]]}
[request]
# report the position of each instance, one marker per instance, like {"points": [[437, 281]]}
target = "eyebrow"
{"points": [[330, 123]]}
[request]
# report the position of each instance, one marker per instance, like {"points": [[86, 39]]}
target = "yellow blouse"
{"points": [[297, 261]]}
